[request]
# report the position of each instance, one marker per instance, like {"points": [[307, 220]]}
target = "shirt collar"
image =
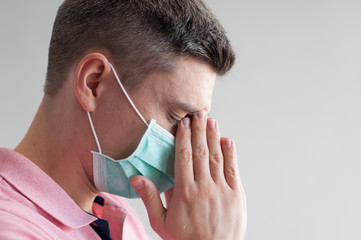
{"points": [[41, 189]]}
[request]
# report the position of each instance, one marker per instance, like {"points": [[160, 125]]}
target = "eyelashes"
{"points": [[176, 120]]}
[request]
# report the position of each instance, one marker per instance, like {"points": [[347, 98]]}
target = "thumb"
{"points": [[148, 192]]}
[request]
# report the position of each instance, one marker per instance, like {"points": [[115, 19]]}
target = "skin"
{"points": [[207, 201]]}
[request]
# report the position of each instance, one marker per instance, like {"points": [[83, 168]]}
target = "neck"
{"points": [[52, 143]]}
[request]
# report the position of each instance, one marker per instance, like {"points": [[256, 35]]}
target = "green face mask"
{"points": [[153, 158]]}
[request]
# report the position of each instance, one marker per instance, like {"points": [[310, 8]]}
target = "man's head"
{"points": [[167, 53], [141, 37]]}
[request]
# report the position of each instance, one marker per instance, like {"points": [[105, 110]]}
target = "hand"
{"points": [[207, 201]]}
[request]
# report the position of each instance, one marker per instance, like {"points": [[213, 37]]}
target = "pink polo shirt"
{"points": [[34, 206]]}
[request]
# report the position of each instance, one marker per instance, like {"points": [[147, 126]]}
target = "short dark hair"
{"points": [[142, 36]]}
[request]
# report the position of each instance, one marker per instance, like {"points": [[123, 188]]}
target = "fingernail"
{"points": [[211, 123], [201, 115], [138, 185], [185, 122], [229, 143]]}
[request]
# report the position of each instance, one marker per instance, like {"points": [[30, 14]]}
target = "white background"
{"points": [[292, 103]]}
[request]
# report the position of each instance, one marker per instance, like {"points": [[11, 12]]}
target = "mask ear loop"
{"points": [[93, 130], [130, 101], [126, 94]]}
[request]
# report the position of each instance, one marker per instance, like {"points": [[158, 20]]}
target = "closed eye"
{"points": [[173, 119], [176, 119]]}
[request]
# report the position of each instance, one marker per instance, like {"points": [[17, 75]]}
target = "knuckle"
{"points": [[200, 152], [216, 158], [184, 156], [231, 171]]}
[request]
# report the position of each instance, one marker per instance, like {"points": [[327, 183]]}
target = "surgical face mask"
{"points": [[153, 158]]}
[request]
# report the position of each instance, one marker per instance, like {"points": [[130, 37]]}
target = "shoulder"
{"points": [[17, 222]]}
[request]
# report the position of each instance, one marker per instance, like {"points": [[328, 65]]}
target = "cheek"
{"points": [[129, 138], [168, 125], [125, 138], [119, 130]]}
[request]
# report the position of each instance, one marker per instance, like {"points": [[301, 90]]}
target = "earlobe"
{"points": [[89, 80]]}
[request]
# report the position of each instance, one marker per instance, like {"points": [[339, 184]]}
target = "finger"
{"points": [[183, 166], [230, 163], [199, 146], [149, 194], [168, 196], [215, 150]]}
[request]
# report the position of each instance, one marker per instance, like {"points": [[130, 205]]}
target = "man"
{"points": [[124, 78]]}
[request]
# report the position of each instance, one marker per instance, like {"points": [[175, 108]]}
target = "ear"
{"points": [[90, 76]]}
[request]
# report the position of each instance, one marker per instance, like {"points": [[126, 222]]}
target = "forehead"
{"points": [[190, 84]]}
